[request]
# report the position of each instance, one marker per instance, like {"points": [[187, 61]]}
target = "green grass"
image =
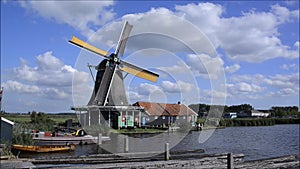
{"points": [[62, 118], [26, 118], [17, 118]]}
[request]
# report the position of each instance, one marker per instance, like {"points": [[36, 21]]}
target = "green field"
{"points": [[26, 118]]}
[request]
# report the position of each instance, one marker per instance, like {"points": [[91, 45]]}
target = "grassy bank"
{"points": [[26, 118], [257, 121]]}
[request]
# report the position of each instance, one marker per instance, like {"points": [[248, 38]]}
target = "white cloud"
{"points": [[162, 29], [131, 95], [284, 81], [177, 87], [47, 62], [179, 68], [283, 14], [251, 37], [255, 79], [50, 71], [55, 93], [205, 66], [232, 68], [252, 86], [243, 88], [50, 78], [297, 45], [146, 89], [83, 16], [288, 66], [15, 86]]}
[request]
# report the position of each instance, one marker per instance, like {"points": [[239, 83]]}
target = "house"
{"points": [[162, 114], [137, 115], [230, 115], [252, 113], [6, 130]]}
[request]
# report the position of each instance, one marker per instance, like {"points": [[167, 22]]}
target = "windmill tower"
{"points": [[109, 92]]}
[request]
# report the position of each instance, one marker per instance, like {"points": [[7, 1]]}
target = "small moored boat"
{"points": [[44, 148]]}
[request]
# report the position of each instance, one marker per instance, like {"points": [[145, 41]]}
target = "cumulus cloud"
{"points": [[262, 85], [178, 87], [205, 66], [146, 89], [50, 78], [83, 16], [251, 37], [50, 71], [232, 68], [18, 87], [243, 88], [179, 68], [284, 80]]}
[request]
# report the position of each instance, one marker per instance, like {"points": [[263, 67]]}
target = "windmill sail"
{"points": [[137, 71], [88, 47], [123, 39]]}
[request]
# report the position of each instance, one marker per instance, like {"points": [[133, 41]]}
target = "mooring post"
{"points": [[99, 143], [99, 138], [126, 144], [167, 152], [229, 161]]}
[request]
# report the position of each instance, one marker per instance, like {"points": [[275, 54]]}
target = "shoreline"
{"points": [[209, 161]]}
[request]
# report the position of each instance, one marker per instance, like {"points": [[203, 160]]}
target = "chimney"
{"points": [[178, 102]]}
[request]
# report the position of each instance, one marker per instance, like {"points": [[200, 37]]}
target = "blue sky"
{"points": [[243, 52]]}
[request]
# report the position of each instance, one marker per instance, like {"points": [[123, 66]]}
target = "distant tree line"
{"points": [[284, 111], [203, 109]]}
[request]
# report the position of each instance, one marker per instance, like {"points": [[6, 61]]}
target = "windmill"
{"points": [[109, 71]]}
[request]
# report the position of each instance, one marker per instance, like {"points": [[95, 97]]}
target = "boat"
{"points": [[44, 148], [78, 138]]}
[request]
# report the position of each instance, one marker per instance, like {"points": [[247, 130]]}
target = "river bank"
{"points": [[257, 121], [213, 162]]}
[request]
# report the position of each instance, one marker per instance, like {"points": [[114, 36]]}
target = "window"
{"points": [[177, 117], [155, 117], [183, 117], [163, 117]]}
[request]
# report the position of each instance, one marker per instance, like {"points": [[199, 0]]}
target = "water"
{"points": [[254, 142]]}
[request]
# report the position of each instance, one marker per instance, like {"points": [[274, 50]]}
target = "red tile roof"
{"points": [[153, 109], [163, 109]]}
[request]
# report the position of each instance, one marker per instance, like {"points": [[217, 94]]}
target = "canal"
{"points": [[254, 142]]}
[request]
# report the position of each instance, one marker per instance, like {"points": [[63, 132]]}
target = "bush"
{"points": [[247, 122]]}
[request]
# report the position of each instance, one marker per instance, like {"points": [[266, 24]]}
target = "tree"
{"points": [[33, 116], [41, 121]]}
